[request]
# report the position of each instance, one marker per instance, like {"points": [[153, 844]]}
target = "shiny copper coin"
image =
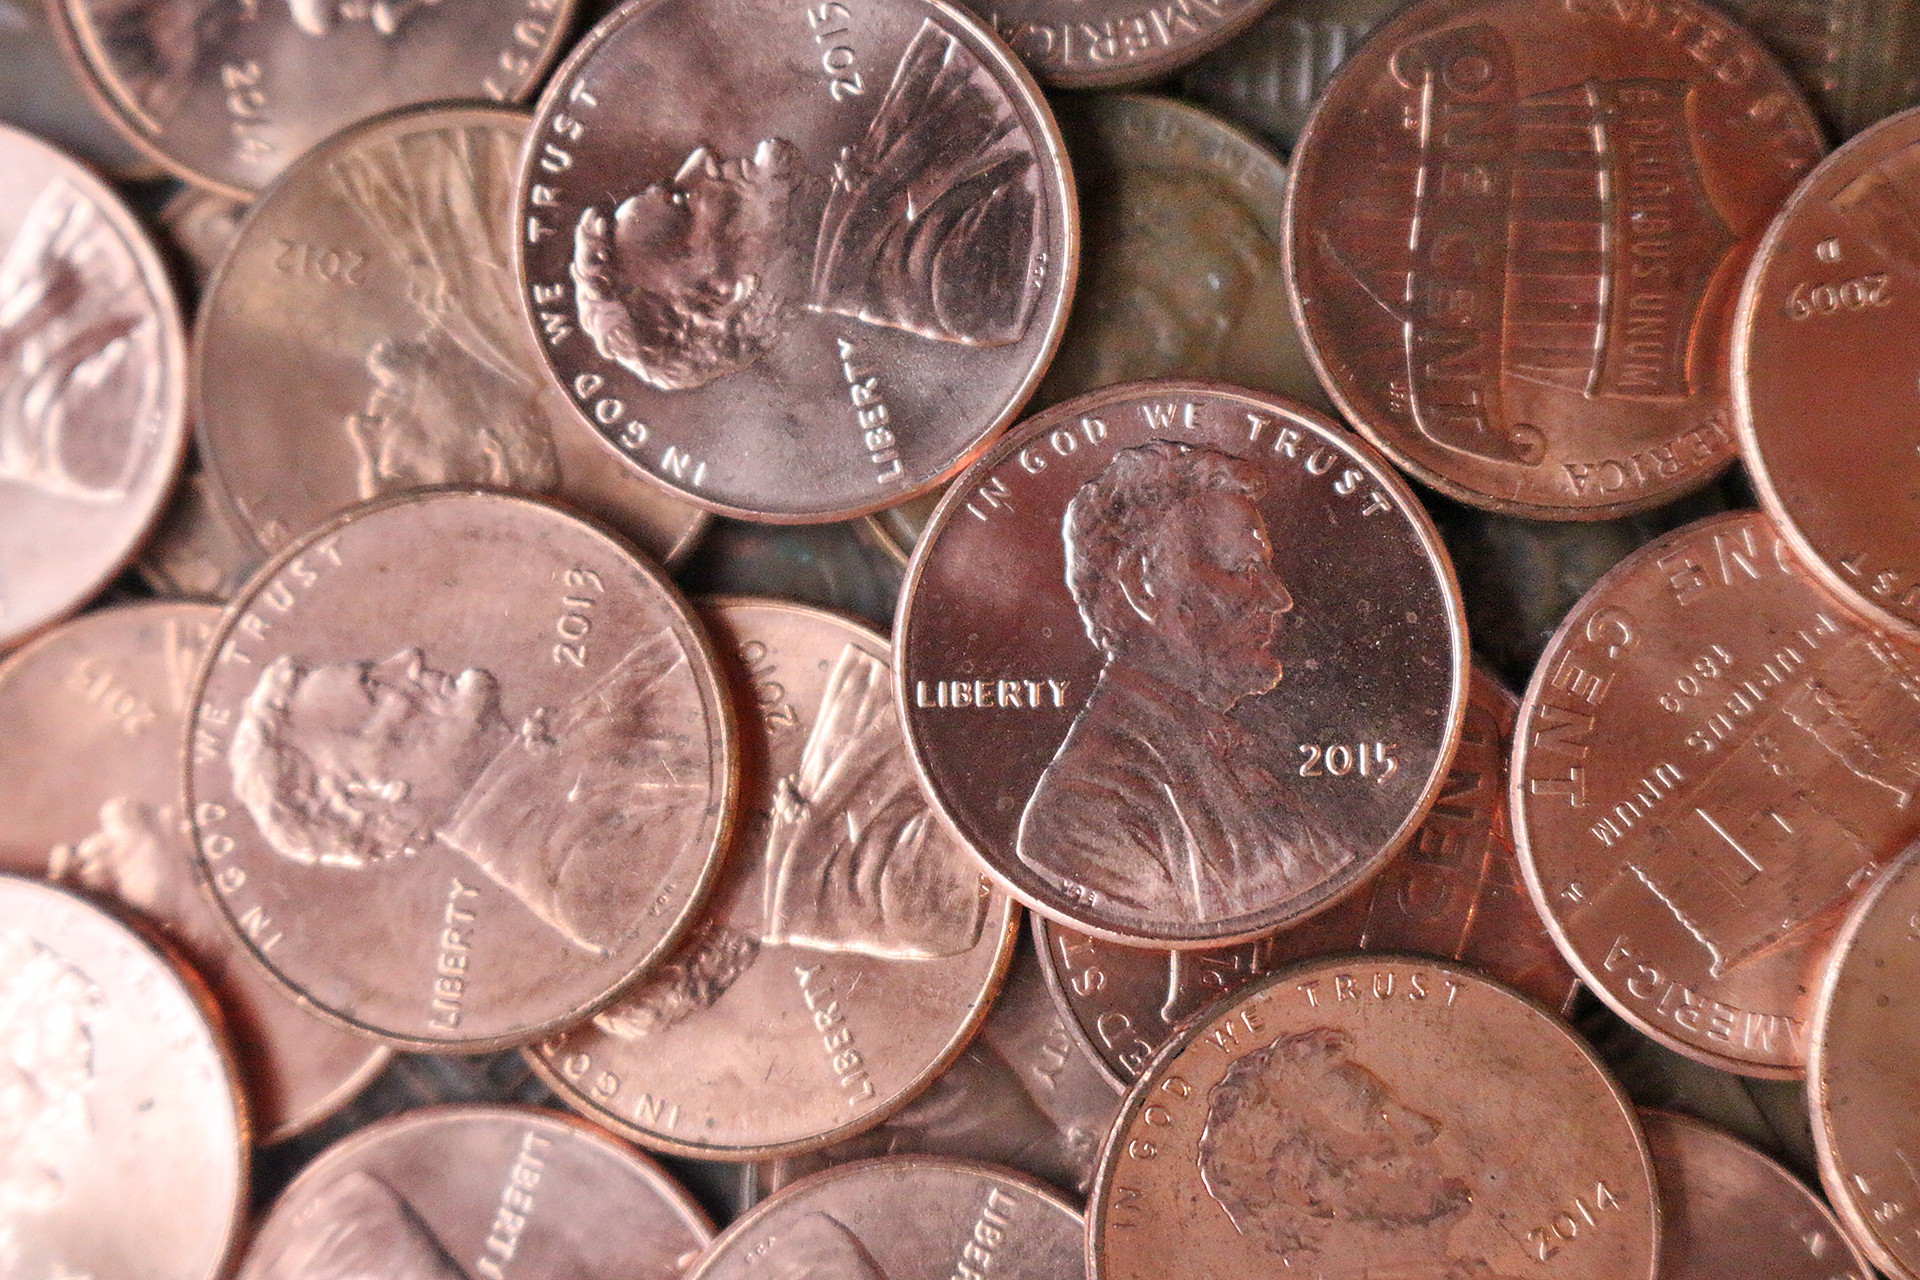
{"points": [[92, 715], [1515, 233], [363, 338], [1074, 45], [92, 385], [196, 550], [1713, 757], [1375, 1116], [1183, 662], [1268, 77], [479, 1193], [851, 950], [1857, 60], [1829, 321], [1455, 891], [461, 766], [795, 264], [1728, 1212], [126, 1142], [903, 1218]]}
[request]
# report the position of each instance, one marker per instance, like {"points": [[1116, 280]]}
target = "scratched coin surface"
{"points": [[479, 1193], [1714, 755], [851, 949], [92, 385], [363, 337], [1828, 330], [1515, 236], [796, 264], [119, 1097], [92, 714], [1375, 1116], [1183, 662], [461, 766]]}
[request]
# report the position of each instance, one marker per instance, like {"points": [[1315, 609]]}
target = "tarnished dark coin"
{"points": [[1375, 1116], [363, 337], [1857, 60], [852, 947], [125, 1154], [1714, 755], [479, 1193], [1515, 234], [196, 550], [460, 767], [40, 93], [1184, 663], [796, 264], [92, 715], [92, 385], [1075, 45], [1268, 77]]}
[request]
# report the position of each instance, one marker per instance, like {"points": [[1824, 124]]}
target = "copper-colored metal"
{"points": [[362, 337], [1857, 60], [1268, 77], [795, 264], [1713, 756], [851, 950], [195, 550], [202, 225], [460, 767], [1070, 44], [478, 1193], [40, 93], [1374, 1115], [125, 1149], [1184, 663], [1829, 318], [1515, 232]]}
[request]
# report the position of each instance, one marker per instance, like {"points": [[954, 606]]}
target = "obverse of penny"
{"points": [[1515, 234], [1184, 663], [1455, 891], [126, 1140], [903, 1218], [363, 337], [92, 715], [470, 1192], [795, 264], [1081, 46], [1728, 1212], [1713, 757], [92, 385], [851, 950], [461, 767], [1829, 320]]}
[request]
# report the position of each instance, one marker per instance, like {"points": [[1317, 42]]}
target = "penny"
{"points": [[195, 550], [461, 767], [851, 950], [1071, 45], [363, 338], [478, 1193], [202, 225], [795, 264], [903, 1218], [1829, 317], [1515, 235], [1268, 77], [39, 93], [1455, 891], [1182, 662], [1714, 755], [92, 715], [1728, 1212], [1856, 61], [126, 1142], [92, 385]]}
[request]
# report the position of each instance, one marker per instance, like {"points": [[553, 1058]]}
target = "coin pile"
{"points": [[934, 651]]}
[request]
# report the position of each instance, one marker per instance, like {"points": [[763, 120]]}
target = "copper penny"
{"points": [[92, 384], [1829, 320], [1455, 891], [125, 1149], [479, 1193], [40, 93], [92, 715], [1515, 233], [796, 264], [1368, 1117], [851, 950], [363, 338], [1268, 77], [1073, 45], [461, 766], [1713, 756], [201, 224], [1184, 663], [196, 549], [1728, 1212], [903, 1218], [1857, 61]]}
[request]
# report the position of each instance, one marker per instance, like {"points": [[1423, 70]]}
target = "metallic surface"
{"points": [[1071, 44], [1268, 77], [851, 949], [195, 550], [40, 93], [1857, 60], [201, 224]]}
